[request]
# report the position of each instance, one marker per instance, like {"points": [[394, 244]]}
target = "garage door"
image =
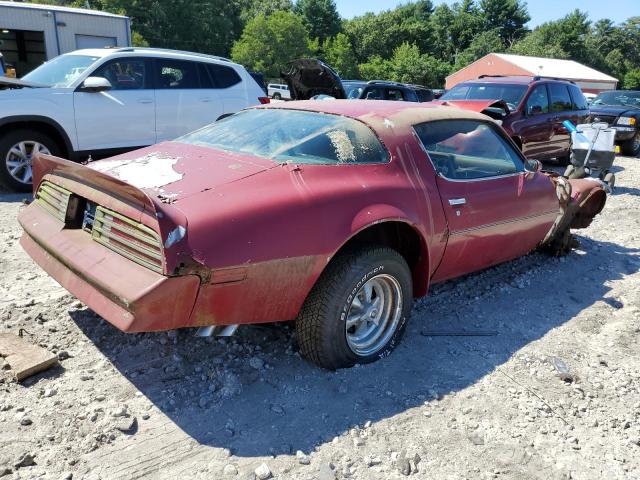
{"points": [[94, 41]]}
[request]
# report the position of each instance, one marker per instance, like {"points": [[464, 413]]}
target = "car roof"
{"points": [[154, 52], [382, 114]]}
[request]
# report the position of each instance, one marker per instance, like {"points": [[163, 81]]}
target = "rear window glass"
{"points": [[224, 77], [293, 136]]}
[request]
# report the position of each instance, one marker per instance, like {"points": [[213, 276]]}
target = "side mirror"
{"points": [[96, 84], [534, 110], [533, 165]]}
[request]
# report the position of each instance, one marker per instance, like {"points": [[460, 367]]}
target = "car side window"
{"points": [[560, 99], [124, 73], [226, 77], [374, 94], [176, 74], [579, 101], [468, 149], [538, 101], [395, 95]]}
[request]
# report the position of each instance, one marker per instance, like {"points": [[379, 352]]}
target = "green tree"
{"points": [[632, 79], [268, 43], [338, 52], [508, 17], [375, 69], [252, 8], [482, 44], [320, 17]]}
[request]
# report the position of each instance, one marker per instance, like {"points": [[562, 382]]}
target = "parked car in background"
{"points": [[353, 88], [337, 214], [308, 78], [102, 101], [278, 91], [535, 110], [589, 96], [621, 110]]}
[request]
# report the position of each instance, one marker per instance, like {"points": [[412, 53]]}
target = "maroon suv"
{"points": [[531, 109]]}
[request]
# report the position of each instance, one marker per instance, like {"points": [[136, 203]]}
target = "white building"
{"points": [[31, 34]]}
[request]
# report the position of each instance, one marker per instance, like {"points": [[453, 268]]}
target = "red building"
{"points": [[588, 79]]}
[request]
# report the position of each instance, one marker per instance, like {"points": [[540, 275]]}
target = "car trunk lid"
{"points": [[308, 77]]}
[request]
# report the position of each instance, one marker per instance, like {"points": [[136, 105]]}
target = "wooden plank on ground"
{"points": [[24, 358]]}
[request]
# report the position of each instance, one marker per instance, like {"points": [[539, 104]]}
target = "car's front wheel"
{"points": [[277, 96], [631, 147], [17, 150], [357, 311]]}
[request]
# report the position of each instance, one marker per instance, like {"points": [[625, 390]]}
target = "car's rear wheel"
{"points": [[357, 311], [17, 150], [631, 147]]}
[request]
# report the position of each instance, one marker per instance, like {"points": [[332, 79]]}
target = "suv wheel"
{"points": [[358, 309], [17, 149], [631, 147]]}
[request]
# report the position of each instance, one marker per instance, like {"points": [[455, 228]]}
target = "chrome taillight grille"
{"points": [[54, 199], [127, 237]]}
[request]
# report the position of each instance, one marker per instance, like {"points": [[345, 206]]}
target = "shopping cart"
{"points": [[593, 151]]}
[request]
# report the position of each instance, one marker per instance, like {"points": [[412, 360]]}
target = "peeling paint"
{"points": [[154, 170]]}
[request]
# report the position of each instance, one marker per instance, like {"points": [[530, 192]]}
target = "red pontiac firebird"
{"points": [[334, 213]]}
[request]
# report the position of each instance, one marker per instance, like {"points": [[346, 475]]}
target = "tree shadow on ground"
{"points": [[210, 389]]}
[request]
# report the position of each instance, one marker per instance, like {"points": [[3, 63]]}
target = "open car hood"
{"points": [[308, 77], [496, 109], [8, 82]]}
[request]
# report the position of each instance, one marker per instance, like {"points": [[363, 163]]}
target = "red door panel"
{"points": [[494, 220]]}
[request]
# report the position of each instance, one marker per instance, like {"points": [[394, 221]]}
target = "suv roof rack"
{"points": [[168, 50], [534, 77], [387, 82]]}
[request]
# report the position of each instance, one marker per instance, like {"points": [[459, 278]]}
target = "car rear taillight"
{"points": [[264, 100]]}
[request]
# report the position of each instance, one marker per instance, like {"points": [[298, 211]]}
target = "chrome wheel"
{"points": [[636, 142], [374, 315], [19, 157]]}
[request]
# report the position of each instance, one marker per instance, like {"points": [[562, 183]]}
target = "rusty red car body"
{"points": [[244, 239]]}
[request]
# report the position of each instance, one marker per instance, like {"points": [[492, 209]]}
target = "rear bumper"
{"points": [[129, 296]]}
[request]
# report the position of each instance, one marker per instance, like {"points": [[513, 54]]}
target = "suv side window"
{"points": [[424, 95], [125, 73], [560, 99], [395, 94], [538, 101], [468, 149], [226, 77], [176, 74], [579, 102], [374, 94]]}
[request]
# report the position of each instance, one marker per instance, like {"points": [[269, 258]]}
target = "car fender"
{"points": [[44, 119]]}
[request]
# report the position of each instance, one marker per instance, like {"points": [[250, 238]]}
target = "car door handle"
{"points": [[206, 99], [456, 202], [145, 100]]}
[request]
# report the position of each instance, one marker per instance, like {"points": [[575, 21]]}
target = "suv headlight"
{"points": [[631, 121]]}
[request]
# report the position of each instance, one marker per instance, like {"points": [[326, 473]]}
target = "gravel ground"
{"points": [[544, 385]]}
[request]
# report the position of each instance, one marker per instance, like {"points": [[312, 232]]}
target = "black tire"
{"points": [[631, 147], [321, 323], [564, 160], [277, 96], [13, 138]]}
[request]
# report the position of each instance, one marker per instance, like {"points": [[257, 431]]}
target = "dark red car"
{"points": [[337, 214], [537, 106]]}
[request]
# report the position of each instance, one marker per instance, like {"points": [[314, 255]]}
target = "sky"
{"points": [[540, 10]]}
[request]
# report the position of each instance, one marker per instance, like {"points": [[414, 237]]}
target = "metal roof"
{"points": [[49, 8], [553, 67]]}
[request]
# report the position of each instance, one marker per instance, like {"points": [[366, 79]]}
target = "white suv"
{"points": [[100, 102], [278, 91]]}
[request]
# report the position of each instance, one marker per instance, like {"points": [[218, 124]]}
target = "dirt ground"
{"points": [[544, 383]]}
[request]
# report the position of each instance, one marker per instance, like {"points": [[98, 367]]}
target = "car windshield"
{"points": [[61, 71], [290, 136], [621, 98], [353, 89], [512, 94]]}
